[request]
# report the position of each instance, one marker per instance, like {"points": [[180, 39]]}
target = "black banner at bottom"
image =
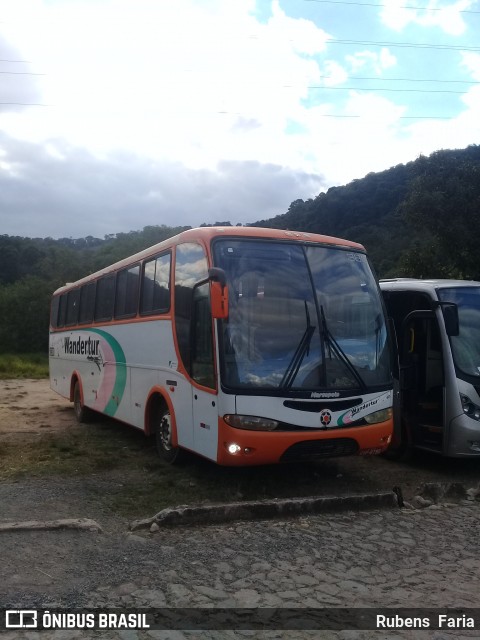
{"points": [[183, 619]]}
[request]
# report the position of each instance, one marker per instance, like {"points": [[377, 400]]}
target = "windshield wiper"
{"points": [[338, 351], [300, 352]]}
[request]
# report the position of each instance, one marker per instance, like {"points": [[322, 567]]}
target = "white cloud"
{"points": [[335, 73], [168, 80], [431, 13], [371, 60], [471, 62], [211, 104], [63, 191]]}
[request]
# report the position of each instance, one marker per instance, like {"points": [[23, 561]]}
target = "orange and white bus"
{"points": [[246, 346]]}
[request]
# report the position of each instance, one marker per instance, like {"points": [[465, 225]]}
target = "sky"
{"points": [[118, 114]]}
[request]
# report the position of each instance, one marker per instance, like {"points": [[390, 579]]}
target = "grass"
{"points": [[120, 473], [25, 365], [126, 476]]}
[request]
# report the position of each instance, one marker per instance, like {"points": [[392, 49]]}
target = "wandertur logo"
{"points": [[82, 347]]}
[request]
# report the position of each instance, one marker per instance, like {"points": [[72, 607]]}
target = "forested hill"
{"points": [[420, 219], [418, 207]]}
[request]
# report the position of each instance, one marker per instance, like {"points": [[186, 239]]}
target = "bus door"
{"points": [[422, 380], [194, 333], [204, 398]]}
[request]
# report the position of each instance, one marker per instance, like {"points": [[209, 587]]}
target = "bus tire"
{"points": [[82, 413], [163, 439]]}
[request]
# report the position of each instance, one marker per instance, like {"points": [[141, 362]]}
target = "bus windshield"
{"points": [[302, 318], [465, 346]]}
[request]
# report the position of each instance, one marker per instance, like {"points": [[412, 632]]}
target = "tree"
{"points": [[443, 209], [24, 309]]}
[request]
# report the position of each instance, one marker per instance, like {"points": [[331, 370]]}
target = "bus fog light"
{"points": [[252, 423], [474, 446], [233, 448], [379, 416]]}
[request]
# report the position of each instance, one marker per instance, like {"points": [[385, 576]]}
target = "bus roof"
{"points": [[206, 234], [417, 284]]}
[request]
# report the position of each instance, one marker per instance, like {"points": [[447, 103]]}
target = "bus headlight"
{"points": [[470, 408], [252, 423], [379, 416]]}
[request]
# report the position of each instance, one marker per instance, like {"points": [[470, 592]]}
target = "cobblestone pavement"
{"points": [[392, 558]]}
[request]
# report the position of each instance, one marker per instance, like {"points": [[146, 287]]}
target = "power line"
{"points": [[19, 61], [446, 81], [25, 104], [236, 113], [372, 4], [388, 89], [332, 115], [22, 73], [412, 45]]}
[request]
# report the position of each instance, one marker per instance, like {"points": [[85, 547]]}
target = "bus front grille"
{"points": [[314, 449]]}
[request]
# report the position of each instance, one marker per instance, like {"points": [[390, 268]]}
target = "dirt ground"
{"points": [[29, 408]]}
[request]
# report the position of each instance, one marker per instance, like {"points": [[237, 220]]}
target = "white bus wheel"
{"points": [[163, 439]]}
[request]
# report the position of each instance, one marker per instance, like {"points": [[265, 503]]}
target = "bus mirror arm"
{"points": [[218, 293], [215, 274]]}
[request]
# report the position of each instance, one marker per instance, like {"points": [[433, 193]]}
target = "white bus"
{"points": [[437, 325], [246, 346]]}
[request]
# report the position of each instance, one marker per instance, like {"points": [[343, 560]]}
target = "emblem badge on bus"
{"points": [[325, 418]]}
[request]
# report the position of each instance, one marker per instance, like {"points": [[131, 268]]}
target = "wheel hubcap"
{"points": [[166, 433]]}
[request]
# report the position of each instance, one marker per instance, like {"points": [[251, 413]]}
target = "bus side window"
{"points": [[54, 311], [73, 298], [126, 297], [62, 310], [190, 267], [202, 342], [87, 303], [155, 296], [105, 296]]}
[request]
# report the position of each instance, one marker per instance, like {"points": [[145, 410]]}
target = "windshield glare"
{"points": [[465, 346], [300, 318]]}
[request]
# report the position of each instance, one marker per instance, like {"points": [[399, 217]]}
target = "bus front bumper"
{"points": [[240, 447], [463, 438]]}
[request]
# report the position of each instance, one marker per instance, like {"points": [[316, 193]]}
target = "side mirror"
{"points": [[218, 293], [450, 317]]}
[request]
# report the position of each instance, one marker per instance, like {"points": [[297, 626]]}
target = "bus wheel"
{"points": [[163, 439], [82, 413]]}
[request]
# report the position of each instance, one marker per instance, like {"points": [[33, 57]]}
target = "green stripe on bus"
{"points": [[120, 372]]}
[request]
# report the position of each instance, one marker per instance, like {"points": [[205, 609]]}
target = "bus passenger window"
{"points": [[62, 311], [105, 295], [54, 311], [156, 285], [87, 303], [126, 298], [72, 307]]}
